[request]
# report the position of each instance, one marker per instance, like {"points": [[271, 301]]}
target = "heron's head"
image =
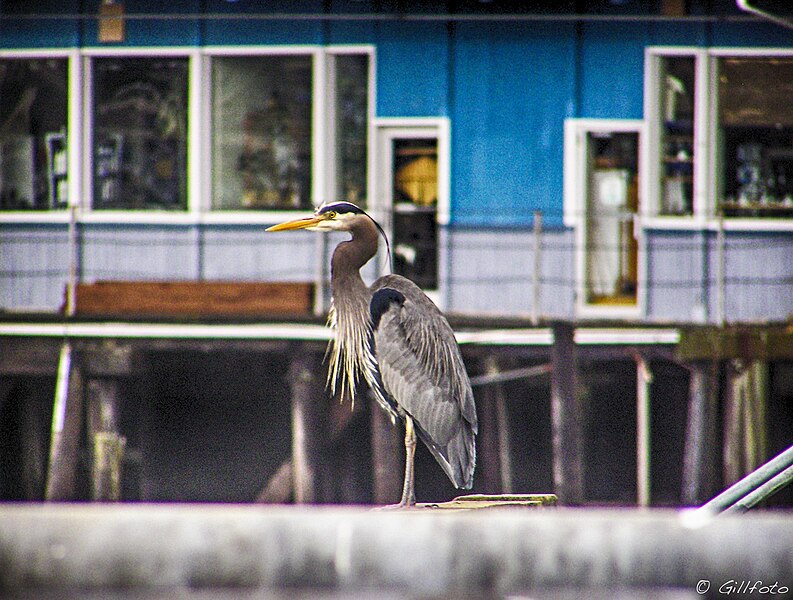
{"points": [[333, 216]]}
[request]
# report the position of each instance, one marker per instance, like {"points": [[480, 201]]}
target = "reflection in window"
{"points": [[612, 204], [755, 122], [33, 108], [677, 104], [352, 76], [140, 132], [261, 136], [415, 194]]}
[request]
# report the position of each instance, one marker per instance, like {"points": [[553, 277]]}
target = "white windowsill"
{"points": [[153, 217], [695, 223]]}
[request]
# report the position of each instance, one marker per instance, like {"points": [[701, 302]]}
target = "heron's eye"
{"points": [[331, 215]]}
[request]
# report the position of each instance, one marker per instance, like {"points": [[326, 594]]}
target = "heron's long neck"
{"points": [[351, 255], [351, 355]]}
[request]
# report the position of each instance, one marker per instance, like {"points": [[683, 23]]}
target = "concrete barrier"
{"points": [[426, 553]]}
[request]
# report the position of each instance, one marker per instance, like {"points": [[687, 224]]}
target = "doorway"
{"points": [[412, 194], [602, 166]]}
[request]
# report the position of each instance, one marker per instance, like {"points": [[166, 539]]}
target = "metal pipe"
{"points": [[748, 484], [512, 374], [768, 489], [746, 7]]}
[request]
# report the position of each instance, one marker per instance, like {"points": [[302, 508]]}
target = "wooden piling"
{"points": [[566, 418], [308, 399], [107, 443], [388, 456], [106, 365], [67, 422], [495, 465], [700, 479]]}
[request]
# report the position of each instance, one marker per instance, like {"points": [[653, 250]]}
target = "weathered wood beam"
{"points": [[194, 298], [566, 418], [644, 379], [67, 423], [29, 356], [279, 488], [107, 443], [106, 365], [770, 342], [495, 464], [700, 458], [308, 425], [388, 457]]}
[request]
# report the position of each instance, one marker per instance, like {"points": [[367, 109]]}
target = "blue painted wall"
{"points": [[506, 86]]}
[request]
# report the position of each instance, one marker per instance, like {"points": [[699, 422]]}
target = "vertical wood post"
{"points": [[388, 457], [566, 418], [700, 449], [106, 365], [67, 421], [308, 401], [496, 461], [536, 275], [644, 379], [107, 444]]}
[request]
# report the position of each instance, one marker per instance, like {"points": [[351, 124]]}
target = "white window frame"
{"points": [[199, 151], [74, 127], [322, 140], [387, 130], [87, 213], [707, 165], [575, 212]]}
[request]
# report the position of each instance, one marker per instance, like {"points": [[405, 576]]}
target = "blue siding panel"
{"points": [[242, 31], [23, 32], [129, 252], [490, 272], [249, 254], [758, 273], [677, 263], [34, 267], [512, 87], [412, 69], [612, 88], [758, 34]]}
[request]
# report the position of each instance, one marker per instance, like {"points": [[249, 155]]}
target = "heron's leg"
{"points": [[408, 488]]}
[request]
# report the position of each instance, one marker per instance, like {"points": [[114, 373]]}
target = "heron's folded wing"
{"points": [[422, 370]]}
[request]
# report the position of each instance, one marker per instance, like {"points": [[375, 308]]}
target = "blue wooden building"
{"points": [[621, 161]]}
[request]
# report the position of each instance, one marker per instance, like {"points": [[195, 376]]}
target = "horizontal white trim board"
{"points": [[308, 332]]}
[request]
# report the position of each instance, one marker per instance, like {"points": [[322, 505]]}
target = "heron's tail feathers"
{"points": [[457, 457]]}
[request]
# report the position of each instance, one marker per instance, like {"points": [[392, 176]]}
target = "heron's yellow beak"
{"points": [[304, 223]]}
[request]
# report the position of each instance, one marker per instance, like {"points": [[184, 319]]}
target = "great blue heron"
{"points": [[395, 337]]}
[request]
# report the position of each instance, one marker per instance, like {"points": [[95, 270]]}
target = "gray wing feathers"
{"points": [[422, 370]]}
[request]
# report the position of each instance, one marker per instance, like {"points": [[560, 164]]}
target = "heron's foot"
{"points": [[397, 506]]}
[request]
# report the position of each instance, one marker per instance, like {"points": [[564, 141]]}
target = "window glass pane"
{"points": [[33, 107], [140, 132], [756, 132], [677, 104], [261, 132], [612, 205], [415, 199], [352, 100]]}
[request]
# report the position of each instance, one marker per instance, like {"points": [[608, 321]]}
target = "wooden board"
{"points": [[486, 501], [194, 299]]}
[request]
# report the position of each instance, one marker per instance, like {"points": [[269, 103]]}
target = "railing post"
{"points": [[535, 277]]}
